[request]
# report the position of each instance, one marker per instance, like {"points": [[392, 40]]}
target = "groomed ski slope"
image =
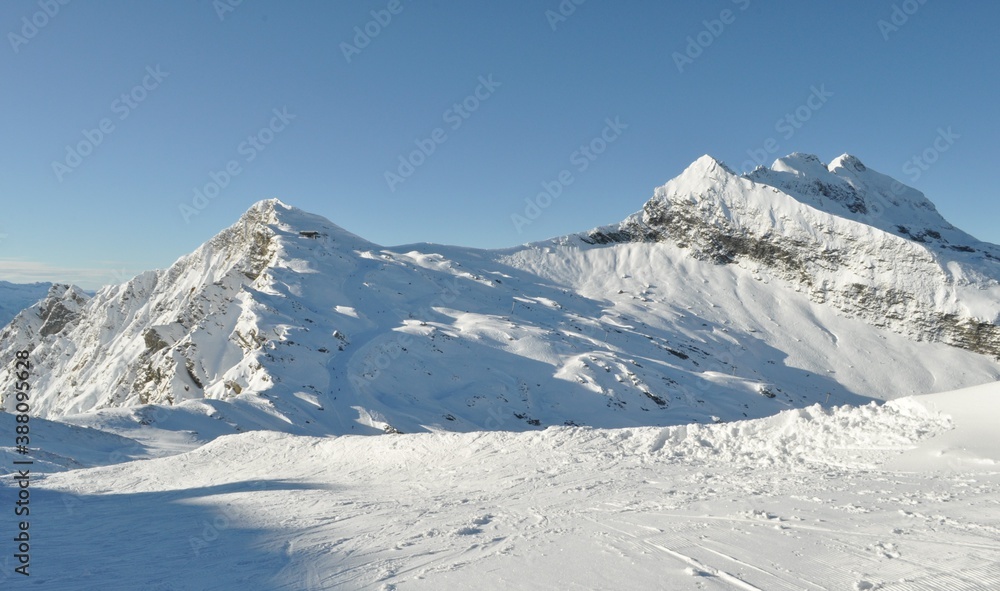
{"points": [[902, 496]]}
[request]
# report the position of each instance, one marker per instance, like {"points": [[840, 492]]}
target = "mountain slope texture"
{"points": [[726, 297]]}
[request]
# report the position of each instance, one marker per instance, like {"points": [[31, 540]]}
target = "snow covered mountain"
{"points": [[15, 297], [843, 234], [726, 297]]}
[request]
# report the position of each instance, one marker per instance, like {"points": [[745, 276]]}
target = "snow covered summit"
{"points": [[849, 189], [15, 297], [726, 297], [844, 234]]}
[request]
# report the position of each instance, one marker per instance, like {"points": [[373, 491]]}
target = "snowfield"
{"points": [[902, 496]]}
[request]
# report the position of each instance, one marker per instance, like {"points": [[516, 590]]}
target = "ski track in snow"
{"points": [[806, 499]]}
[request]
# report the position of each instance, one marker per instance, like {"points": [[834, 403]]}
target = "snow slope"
{"points": [[973, 445], [67, 447], [807, 499], [726, 298]]}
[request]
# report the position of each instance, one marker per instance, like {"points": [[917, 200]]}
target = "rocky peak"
{"points": [[847, 235], [808, 179], [60, 308], [15, 297], [847, 161]]}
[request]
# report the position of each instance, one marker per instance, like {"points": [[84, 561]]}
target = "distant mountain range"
{"points": [[727, 296], [15, 297]]}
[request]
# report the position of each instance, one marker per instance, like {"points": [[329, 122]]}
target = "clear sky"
{"points": [[115, 112]]}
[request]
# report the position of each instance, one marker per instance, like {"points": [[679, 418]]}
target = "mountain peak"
{"points": [[847, 161], [270, 203], [285, 221], [709, 192], [799, 163], [272, 209], [264, 212], [15, 297], [707, 166], [841, 232], [58, 310]]}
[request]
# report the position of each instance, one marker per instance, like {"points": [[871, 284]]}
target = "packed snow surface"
{"points": [[901, 496]]}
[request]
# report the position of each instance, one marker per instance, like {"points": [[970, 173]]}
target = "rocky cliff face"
{"points": [[844, 234], [139, 342], [54, 313]]}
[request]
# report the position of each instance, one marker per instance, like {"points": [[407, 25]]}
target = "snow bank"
{"points": [[807, 436]]}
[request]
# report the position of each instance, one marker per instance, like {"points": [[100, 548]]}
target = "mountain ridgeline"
{"points": [[845, 235], [727, 296]]}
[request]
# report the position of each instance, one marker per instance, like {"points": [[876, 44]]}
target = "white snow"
{"points": [[808, 499], [973, 444]]}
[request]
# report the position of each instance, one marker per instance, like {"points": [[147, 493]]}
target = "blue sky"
{"points": [[115, 113]]}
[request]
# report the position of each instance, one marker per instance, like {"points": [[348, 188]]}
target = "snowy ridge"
{"points": [[128, 323], [50, 315], [15, 297], [799, 438], [285, 321], [843, 234], [162, 329]]}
